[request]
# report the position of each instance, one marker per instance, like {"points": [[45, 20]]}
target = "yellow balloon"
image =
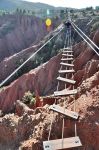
{"points": [[48, 22]]}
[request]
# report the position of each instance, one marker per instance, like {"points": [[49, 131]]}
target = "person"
{"points": [[67, 24]]}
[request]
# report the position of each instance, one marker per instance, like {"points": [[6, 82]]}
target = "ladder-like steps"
{"points": [[66, 80], [66, 71], [67, 59], [65, 92], [68, 48], [68, 51], [66, 64], [67, 55], [63, 111], [62, 143]]}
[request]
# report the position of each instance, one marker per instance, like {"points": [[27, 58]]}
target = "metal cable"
{"points": [[2, 83], [55, 103], [68, 39], [53, 113], [86, 36], [75, 125], [51, 126], [85, 40], [65, 40], [63, 122]]}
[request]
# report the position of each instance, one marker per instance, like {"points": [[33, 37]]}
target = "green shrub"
{"points": [[29, 98]]}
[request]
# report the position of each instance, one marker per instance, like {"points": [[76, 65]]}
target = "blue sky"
{"points": [[70, 3]]}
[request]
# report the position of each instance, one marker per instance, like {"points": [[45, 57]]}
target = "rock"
{"points": [[22, 108], [28, 145], [96, 37], [9, 64], [1, 113], [21, 42], [32, 130], [25, 127], [21, 34], [41, 79]]}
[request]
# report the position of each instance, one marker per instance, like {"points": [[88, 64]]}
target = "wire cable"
{"points": [[51, 126], [85, 36], [9, 77], [85, 40], [55, 103]]}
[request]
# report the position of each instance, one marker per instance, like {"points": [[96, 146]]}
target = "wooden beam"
{"points": [[66, 64], [67, 55], [67, 59], [68, 48], [62, 143], [63, 111], [66, 71], [68, 51], [66, 80], [65, 92]]}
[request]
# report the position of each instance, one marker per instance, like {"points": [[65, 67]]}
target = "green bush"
{"points": [[29, 98]]}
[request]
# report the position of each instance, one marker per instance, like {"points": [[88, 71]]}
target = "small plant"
{"points": [[32, 102], [29, 98]]}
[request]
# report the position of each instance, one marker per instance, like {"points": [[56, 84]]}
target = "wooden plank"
{"points": [[63, 111], [62, 143], [68, 51], [65, 92], [68, 48], [66, 80], [67, 55], [66, 64], [67, 59], [66, 71]]}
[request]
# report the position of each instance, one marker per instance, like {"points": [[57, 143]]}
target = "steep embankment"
{"points": [[18, 32], [28, 33], [30, 129], [43, 78]]}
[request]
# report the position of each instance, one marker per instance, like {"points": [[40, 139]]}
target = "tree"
{"points": [[17, 10], [33, 13], [24, 11], [28, 11], [62, 14], [20, 11], [89, 8]]}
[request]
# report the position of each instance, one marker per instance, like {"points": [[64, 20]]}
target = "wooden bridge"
{"points": [[66, 73], [65, 77]]}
